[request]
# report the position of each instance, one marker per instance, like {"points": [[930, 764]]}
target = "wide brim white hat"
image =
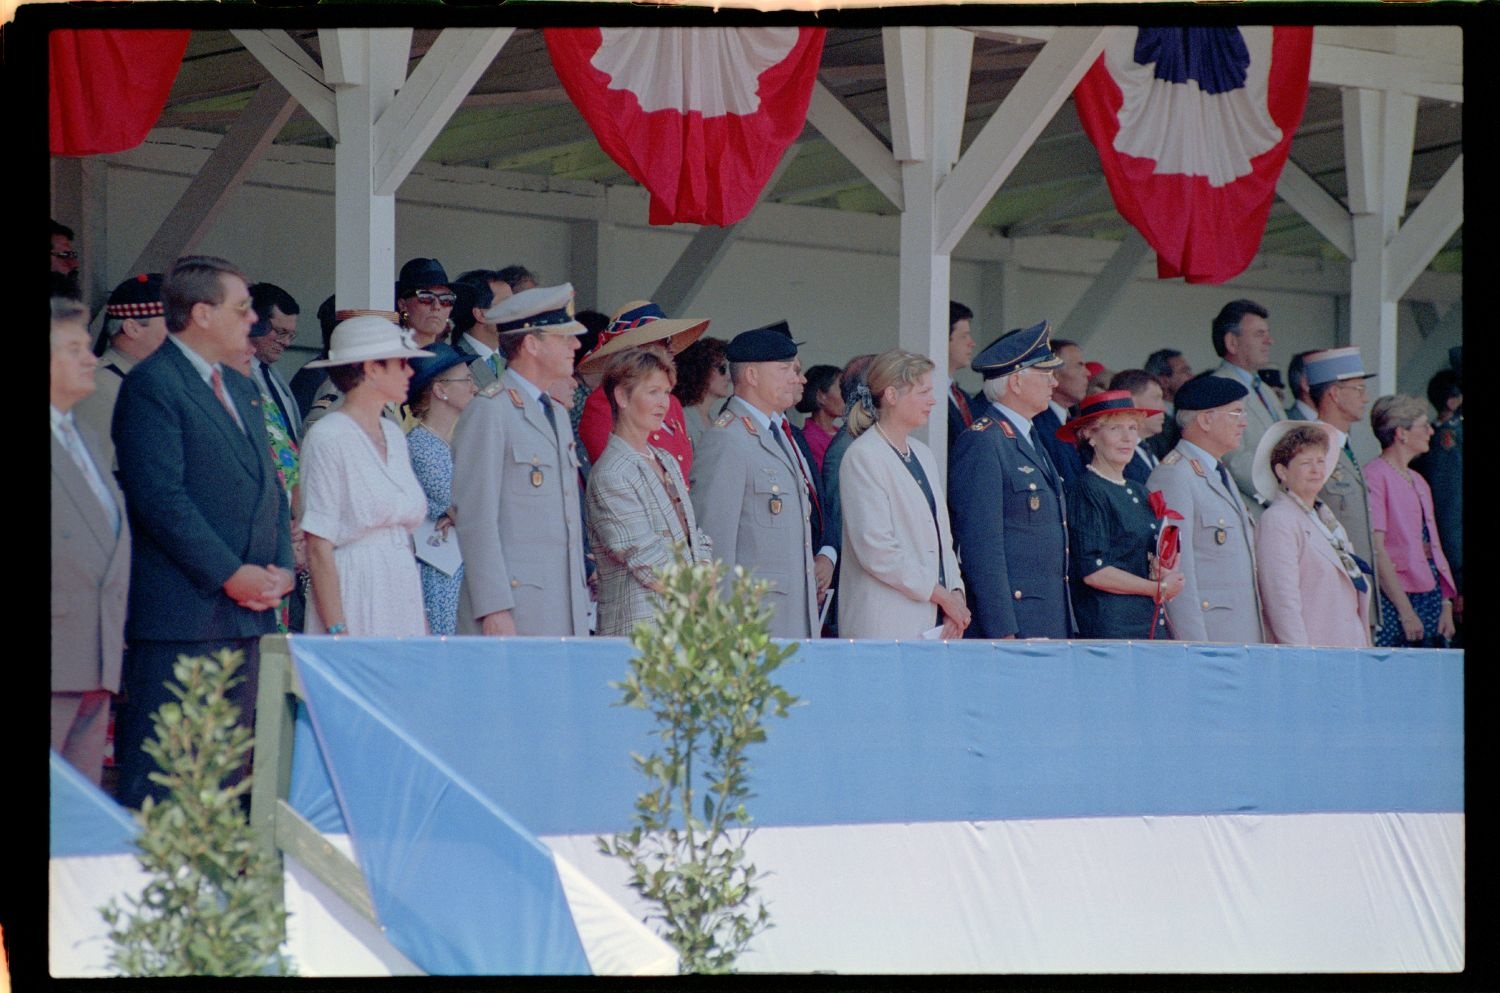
{"points": [[368, 338], [1264, 477]]}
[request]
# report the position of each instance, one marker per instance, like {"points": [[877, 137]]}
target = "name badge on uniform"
{"points": [[775, 500], [536, 472]]}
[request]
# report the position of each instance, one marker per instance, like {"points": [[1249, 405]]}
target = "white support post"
{"points": [[952, 49], [1372, 305], [365, 67], [227, 168], [1093, 308]]}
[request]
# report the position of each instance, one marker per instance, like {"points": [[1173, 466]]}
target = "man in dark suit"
{"points": [[212, 553], [1072, 382], [1145, 392], [90, 556], [1005, 498], [962, 408], [276, 311]]}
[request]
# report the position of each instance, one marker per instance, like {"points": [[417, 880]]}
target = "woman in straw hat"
{"points": [[638, 323], [1112, 527], [361, 500], [1310, 580], [637, 497]]}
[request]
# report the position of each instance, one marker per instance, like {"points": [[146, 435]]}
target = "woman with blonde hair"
{"points": [[899, 577], [1416, 583]]}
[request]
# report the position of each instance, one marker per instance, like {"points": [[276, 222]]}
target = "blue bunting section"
{"points": [[450, 758]]}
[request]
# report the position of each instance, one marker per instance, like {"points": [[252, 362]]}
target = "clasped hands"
{"points": [[257, 587], [955, 611]]}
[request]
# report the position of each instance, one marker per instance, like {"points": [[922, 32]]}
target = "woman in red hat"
{"points": [[1112, 528]]}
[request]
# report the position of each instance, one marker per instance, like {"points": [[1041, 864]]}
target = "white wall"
{"points": [[834, 276]]}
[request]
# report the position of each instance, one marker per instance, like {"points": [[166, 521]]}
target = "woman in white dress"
{"points": [[361, 500], [899, 576]]}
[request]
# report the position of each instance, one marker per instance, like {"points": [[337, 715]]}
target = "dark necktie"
{"points": [[1043, 458], [1229, 486], [547, 409], [1255, 387]]}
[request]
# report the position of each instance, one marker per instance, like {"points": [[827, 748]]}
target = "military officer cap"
{"points": [[772, 343], [1208, 392], [138, 298], [1335, 365], [541, 309], [1024, 348]]}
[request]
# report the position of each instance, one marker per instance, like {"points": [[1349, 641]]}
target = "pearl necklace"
{"points": [[905, 456]]}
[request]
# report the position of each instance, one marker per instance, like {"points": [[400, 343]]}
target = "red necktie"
{"points": [[962, 402], [218, 381], [812, 493]]}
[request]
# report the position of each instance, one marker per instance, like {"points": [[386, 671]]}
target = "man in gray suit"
{"points": [[134, 327], [749, 490], [90, 556], [515, 482], [1242, 338], [1220, 600]]}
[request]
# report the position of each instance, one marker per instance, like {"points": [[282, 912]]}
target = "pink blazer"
{"points": [[1308, 597]]}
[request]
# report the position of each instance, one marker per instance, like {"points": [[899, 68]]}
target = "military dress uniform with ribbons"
{"points": [[1010, 524], [750, 499], [520, 526], [1220, 600]]}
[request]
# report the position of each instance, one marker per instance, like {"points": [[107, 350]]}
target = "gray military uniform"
{"points": [[520, 527], [1347, 495], [749, 499], [1220, 600]]}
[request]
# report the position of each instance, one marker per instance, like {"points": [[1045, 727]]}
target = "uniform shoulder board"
{"points": [[982, 424], [491, 390], [1007, 430], [1172, 458], [723, 419]]}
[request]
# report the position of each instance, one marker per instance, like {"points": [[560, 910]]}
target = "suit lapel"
{"points": [[531, 410], [82, 495], [201, 395]]}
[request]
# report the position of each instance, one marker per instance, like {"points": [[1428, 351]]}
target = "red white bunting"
{"points": [[1193, 126], [698, 116]]}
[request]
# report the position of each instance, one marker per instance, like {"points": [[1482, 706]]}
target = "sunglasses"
{"points": [[428, 297], [65, 255]]}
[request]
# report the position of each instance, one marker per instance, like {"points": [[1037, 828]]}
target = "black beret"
{"points": [[1208, 392], [772, 343]]}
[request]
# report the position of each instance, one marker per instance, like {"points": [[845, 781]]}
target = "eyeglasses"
{"points": [[66, 256], [459, 379], [242, 308], [1238, 415], [283, 334], [442, 299], [1357, 386]]}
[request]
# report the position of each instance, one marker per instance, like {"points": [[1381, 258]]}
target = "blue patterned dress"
{"points": [[432, 461]]}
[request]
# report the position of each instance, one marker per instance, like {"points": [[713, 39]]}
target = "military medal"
{"points": [[536, 473], [775, 501], [1035, 502], [1220, 536]]}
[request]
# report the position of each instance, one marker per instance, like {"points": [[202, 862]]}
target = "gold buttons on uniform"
{"points": [[1205, 604]]}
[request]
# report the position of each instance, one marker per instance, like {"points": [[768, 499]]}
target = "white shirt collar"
{"points": [[480, 348], [1193, 451], [205, 368], [527, 386]]}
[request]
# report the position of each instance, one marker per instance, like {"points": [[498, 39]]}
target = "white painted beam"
{"points": [[905, 79], [950, 54], [1362, 149], [232, 161], [864, 149], [1398, 131], [1316, 206], [1046, 85], [1363, 69], [291, 66], [1094, 307], [1427, 230], [693, 268], [428, 99]]}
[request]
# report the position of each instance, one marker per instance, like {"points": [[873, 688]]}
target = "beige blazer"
{"points": [[1309, 598], [1241, 461], [633, 526], [90, 576], [889, 562]]}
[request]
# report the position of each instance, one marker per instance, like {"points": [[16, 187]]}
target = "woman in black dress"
{"points": [[1111, 527]]}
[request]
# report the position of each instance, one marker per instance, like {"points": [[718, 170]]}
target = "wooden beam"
{"points": [[232, 161], [864, 149], [291, 66], [428, 99], [1316, 206], [1008, 135], [1094, 307], [1427, 230], [693, 268], [905, 87], [1364, 69], [1398, 130]]}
